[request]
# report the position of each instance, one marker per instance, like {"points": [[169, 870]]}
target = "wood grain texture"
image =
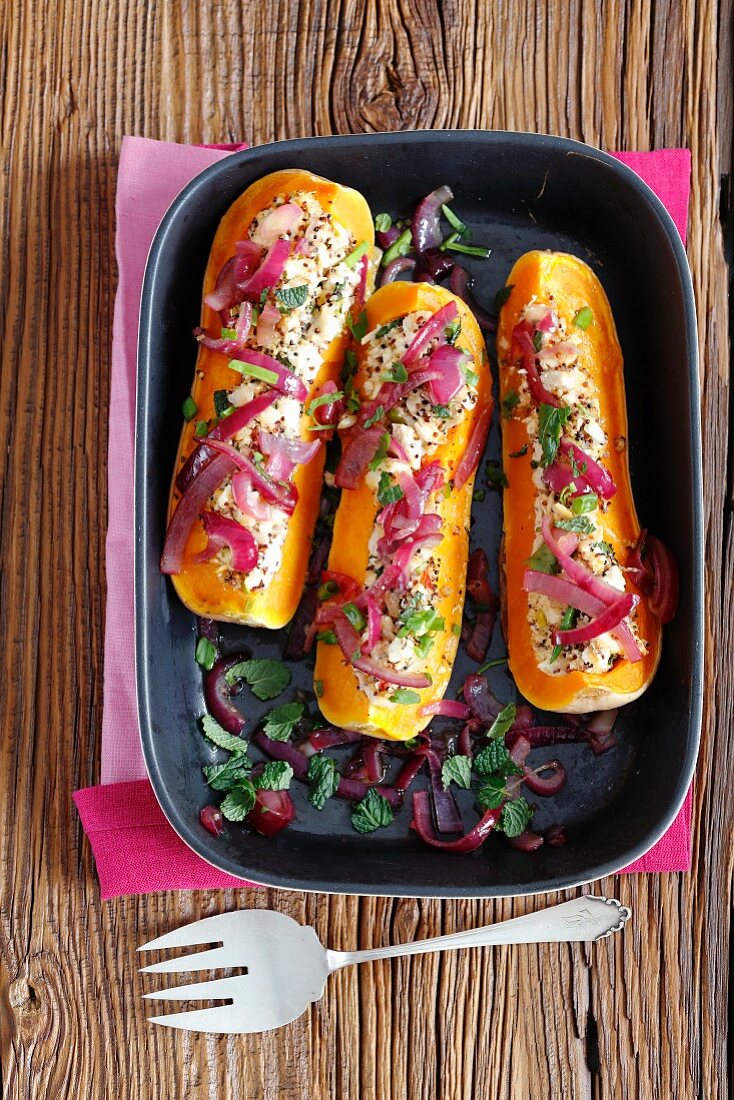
{"points": [[644, 1017]]}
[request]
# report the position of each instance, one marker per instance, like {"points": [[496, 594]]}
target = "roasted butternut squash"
{"points": [[308, 274], [564, 440], [419, 592]]}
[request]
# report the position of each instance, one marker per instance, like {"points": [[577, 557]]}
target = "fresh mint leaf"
{"points": [[214, 732], [358, 326], [551, 422], [603, 547], [323, 780], [324, 399], [515, 817], [240, 800], [491, 759], [496, 476], [453, 331], [387, 490], [503, 722], [491, 792], [267, 678], [537, 340], [291, 297], [275, 776], [405, 696], [384, 329], [206, 653], [456, 769], [568, 620], [396, 373], [443, 412], [222, 777], [382, 223], [376, 415], [470, 376], [281, 721], [580, 524], [373, 812]]}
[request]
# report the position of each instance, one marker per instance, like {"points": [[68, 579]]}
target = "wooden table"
{"points": [[640, 1017]]}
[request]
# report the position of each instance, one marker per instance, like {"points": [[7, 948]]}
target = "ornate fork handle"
{"points": [[588, 918]]}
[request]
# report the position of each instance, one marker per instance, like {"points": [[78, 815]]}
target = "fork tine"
{"points": [[208, 930], [228, 955], [220, 1021], [200, 991]]}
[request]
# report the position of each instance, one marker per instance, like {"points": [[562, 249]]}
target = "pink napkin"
{"points": [[135, 848]]}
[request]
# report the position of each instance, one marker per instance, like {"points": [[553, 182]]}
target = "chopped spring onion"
{"points": [[382, 222], [201, 429], [206, 653], [454, 222], [451, 244], [229, 334], [189, 409], [400, 247], [587, 502], [584, 317], [254, 371], [354, 257]]}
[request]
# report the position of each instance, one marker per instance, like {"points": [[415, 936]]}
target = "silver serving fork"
{"points": [[287, 966]]}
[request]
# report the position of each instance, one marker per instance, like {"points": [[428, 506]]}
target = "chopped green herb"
{"points": [[189, 409], [568, 620], [502, 722], [496, 475], [587, 502], [381, 452], [456, 629], [404, 695], [222, 406], [251, 370], [355, 616], [509, 401], [388, 327], [214, 732], [382, 223], [358, 326], [396, 373], [373, 812], [576, 467], [491, 664], [206, 653], [452, 331], [443, 412], [543, 561], [537, 340], [350, 363], [222, 777], [603, 547], [479, 495], [501, 297], [387, 490], [521, 453], [456, 769], [377, 415], [318, 688], [400, 247], [327, 590], [470, 376], [423, 647], [328, 637], [201, 429], [354, 257], [584, 317], [323, 780], [275, 776], [580, 524], [454, 222], [229, 334], [515, 817], [420, 622], [281, 721], [240, 800], [263, 297], [324, 399], [551, 422], [267, 678]]}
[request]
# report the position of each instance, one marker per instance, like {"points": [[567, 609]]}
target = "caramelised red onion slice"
{"points": [[269, 271], [562, 591], [283, 495], [447, 708], [546, 780], [189, 509], [225, 292], [445, 809], [558, 476], [350, 643], [426, 223], [361, 292], [599, 479], [285, 454], [432, 265], [538, 392], [396, 450], [374, 621], [460, 285], [216, 343], [527, 841], [202, 454], [386, 237], [281, 222], [481, 701], [448, 360], [429, 330], [244, 322], [217, 695], [247, 260], [606, 621], [273, 810], [356, 457], [397, 267], [422, 823], [654, 570], [222, 531], [249, 500], [474, 448], [331, 738]]}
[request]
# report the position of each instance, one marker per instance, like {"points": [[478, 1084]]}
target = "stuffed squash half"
{"points": [[290, 261], [393, 595], [581, 635]]}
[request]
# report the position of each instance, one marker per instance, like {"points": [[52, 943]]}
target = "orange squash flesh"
{"points": [[568, 285], [342, 700], [198, 584]]}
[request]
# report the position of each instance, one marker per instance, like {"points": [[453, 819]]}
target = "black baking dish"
{"points": [[517, 191]]}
